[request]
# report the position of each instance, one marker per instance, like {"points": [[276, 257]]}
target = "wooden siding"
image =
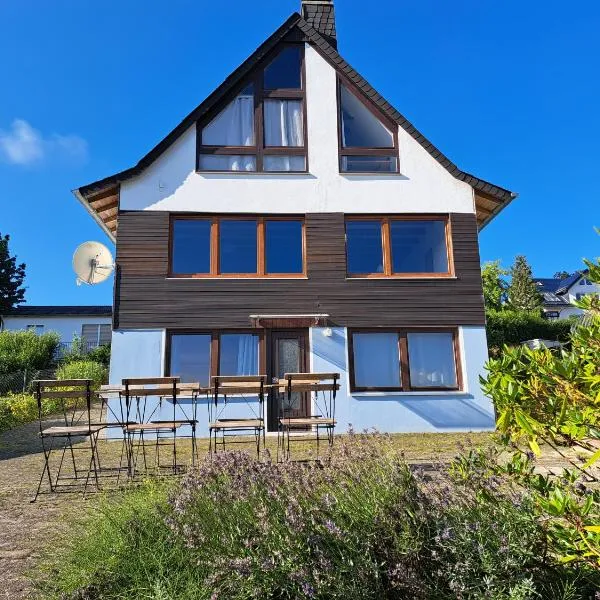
{"points": [[147, 298]]}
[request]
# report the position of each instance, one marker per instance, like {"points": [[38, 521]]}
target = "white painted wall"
{"points": [[66, 326], [582, 288], [141, 354], [171, 183]]}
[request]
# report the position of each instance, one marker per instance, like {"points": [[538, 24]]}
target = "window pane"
{"points": [[284, 71], [376, 360], [234, 125], [191, 246], [369, 164], [283, 240], [90, 334], [363, 246], [190, 358], [419, 247], [227, 162], [284, 163], [238, 354], [284, 123], [105, 334], [360, 127], [431, 358], [237, 246]]}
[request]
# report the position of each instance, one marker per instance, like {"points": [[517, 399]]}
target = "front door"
{"points": [[288, 354]]}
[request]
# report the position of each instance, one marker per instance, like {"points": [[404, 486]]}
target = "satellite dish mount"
{"points": [[92, 263]]}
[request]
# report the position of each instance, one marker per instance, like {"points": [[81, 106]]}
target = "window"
{"points": [[404, 360], [234, 246], [37, 329], [398, 247], [96, 334], [368, 142], [262, 128], [195, 357]]}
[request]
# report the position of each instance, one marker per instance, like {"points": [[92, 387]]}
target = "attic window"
{"points": [[262, 128], [368, 142]]}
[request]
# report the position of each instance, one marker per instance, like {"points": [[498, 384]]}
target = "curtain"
{"points": [[376, 360], [247, 355], [283, 123], [284, 163], [233, 126], [431, 357]]}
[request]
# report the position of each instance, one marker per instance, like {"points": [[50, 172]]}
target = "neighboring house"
{"points": [[296, 221], [561, 294], [92, 323]]}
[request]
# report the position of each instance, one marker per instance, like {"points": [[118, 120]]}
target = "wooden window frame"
{"points": [[404, 359], [261, 257], [259, 150], [386, 245], [358, 151], [215, 347]]}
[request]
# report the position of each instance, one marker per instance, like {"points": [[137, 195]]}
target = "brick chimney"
{"points": [[320, 14]]}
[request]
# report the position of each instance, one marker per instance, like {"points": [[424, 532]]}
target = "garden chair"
{"points": [[225, 418], [323, 388], [74, 399]]}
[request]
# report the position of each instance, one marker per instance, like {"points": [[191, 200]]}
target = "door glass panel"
{"points": [[288, 353]]}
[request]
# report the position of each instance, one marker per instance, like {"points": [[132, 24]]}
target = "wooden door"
{"points": [[288, 354]]}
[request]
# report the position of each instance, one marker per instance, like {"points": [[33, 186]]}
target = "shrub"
{"points": [[17, 409], [100, 354], [507, 327], [24, 350], [84, 369], [360, 525]]}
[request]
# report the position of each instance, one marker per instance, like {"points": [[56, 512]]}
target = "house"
{"points": [[92, 323], [295, 221], [560, 295]]}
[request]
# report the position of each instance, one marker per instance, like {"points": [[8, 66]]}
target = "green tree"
{"points": [[12, 275], [561, 275], [522, 292], [494, 286]]}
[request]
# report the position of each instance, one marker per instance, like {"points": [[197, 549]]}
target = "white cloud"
{"points": [[22, 144]]}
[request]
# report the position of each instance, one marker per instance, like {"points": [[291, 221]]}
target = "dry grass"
{"points": [[26, 529]]}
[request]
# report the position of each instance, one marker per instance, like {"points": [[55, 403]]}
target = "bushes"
{"points": [[79, 350], [361, 525], [510, 328], [84, 369], [24, 350]]}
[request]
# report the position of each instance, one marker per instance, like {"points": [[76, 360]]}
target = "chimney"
{"points": [[320, 15]]}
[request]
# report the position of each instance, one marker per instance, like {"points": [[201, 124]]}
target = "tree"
{"points": [[12, 275], [522, 291], [494, 287], [561, 275]]}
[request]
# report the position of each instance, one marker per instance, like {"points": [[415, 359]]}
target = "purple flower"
{"points": [[308, 590]]}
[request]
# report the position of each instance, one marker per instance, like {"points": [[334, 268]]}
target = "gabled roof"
{"points": [[547, 284], [569, 282], [551, 299], [60, 311], [101, 198]]}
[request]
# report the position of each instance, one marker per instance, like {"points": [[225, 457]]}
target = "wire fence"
{"points": [[20, 382]]}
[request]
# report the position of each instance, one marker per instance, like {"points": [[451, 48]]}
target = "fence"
{"points": [[20, 381], [81, 346]]}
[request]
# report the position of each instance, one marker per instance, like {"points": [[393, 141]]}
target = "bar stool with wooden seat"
{"points": [[223, 419], [323, 388], [144, 419], [75, 404]]}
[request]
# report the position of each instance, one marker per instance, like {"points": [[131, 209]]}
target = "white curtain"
{"points": [[376, 360], [247, 357], [283, 123], [233, 126], [431, 357]]}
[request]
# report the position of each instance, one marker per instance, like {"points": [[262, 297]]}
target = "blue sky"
{"points": [[508, 90]]}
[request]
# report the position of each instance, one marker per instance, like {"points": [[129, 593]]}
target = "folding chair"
{"points": [[323, 388], [221, 419], [76, 408], [144, 419]]}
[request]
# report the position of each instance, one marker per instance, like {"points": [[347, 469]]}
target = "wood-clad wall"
{"points": [[146, 298]]}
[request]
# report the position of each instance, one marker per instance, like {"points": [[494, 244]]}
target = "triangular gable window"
{"points": [[368, 144], [262, 128]]}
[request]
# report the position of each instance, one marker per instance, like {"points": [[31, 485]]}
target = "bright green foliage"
{"points": [[84, 369], [21, 350], [12, 276], [553, 400], [17, 409], [522, 292], [78, 351], [361, 525], [494, 286], [100, 354]]}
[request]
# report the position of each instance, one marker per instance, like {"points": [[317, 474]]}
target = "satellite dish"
{"points": [[92, 263]]}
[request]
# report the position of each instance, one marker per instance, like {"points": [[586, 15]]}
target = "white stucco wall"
{"points": [[66, 327], [141, 354], [171, 183]]}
